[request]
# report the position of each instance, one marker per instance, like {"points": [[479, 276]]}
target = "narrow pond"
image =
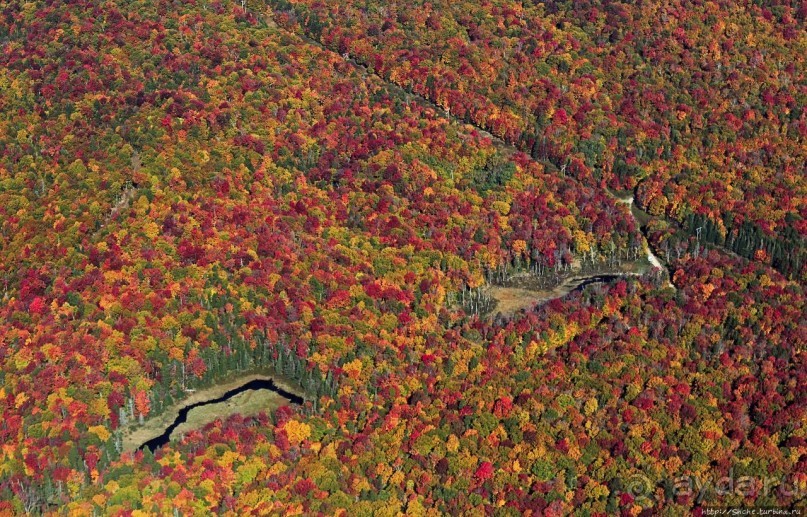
{"points": [[588, 280], [238, 397]]}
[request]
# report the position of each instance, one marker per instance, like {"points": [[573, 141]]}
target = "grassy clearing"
{"points": [[510, 300], [248, 403], [527, 291], [134, 437]]}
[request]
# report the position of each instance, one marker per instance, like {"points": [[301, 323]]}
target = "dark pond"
{"points": [[258, 384], [594, 280]]}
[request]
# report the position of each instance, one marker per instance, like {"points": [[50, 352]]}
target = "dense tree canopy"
{"points": [[699, 105], [189, 190]]}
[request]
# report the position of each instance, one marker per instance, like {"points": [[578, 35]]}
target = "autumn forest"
{"points": [[480, 258]]}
